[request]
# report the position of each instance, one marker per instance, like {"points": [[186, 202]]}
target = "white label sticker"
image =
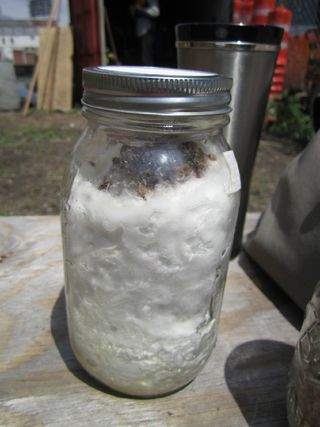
{"points": [[235, 181]]}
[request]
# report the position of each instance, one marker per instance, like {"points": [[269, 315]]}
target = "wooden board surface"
{"points": [[41, 384], [62, 94], [55, 69], [47, 63]]}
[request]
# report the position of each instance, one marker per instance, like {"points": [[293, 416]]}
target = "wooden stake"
{"points": [[54, 13], [52, 72]]}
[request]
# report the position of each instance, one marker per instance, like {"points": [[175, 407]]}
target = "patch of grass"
{"points": [[292, 120], [8, 137], [12, 137]]}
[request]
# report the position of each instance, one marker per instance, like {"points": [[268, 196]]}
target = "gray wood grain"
{"points": [[41, 383]]}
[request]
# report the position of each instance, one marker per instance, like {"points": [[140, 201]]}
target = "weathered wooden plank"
{"points": [[49, 38], [41, 383], [55, 69], [62, 94]]}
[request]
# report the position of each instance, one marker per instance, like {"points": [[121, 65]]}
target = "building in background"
{"points": [[18, 36], [20, 25], [40, 9], [19, 28]]}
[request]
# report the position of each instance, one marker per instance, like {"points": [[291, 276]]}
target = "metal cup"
{"points": [[248, 54]]}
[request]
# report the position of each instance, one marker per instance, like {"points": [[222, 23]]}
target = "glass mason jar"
{"points": [[148, 217]]}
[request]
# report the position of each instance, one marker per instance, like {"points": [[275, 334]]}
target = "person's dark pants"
{"points": [[147, 52]]}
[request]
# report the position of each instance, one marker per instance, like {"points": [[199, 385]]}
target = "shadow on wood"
{"points": [[59, 331], [272, 291], [257, 375]]}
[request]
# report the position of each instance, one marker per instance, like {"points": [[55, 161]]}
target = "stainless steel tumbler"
{"points": [[247, 53]]}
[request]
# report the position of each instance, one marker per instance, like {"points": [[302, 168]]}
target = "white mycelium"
{"points": [[145, 280]]}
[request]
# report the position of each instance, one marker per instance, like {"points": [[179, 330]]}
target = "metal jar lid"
{"points": [[156, 90]]}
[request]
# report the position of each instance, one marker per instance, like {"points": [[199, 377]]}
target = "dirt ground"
{"points": [[34, 152]]}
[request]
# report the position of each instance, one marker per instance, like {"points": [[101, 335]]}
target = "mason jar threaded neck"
{"points": [[155, 123]]}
